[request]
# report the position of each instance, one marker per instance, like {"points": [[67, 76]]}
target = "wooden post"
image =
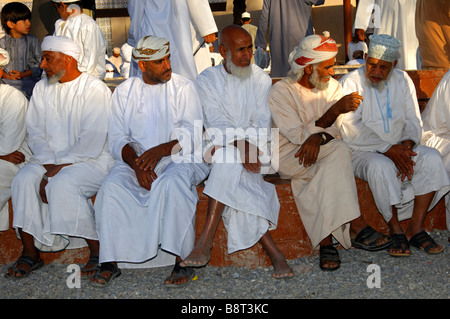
{"points": [[347, 24]]}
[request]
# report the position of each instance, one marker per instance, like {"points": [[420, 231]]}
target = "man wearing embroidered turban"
{"points": [[146, 207], [67, 124], [305, 107], [406, 179]]}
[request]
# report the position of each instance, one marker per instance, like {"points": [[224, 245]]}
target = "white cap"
{"points": [[245, 15]]}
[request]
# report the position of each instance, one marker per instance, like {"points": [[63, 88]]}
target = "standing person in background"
{"points": [[288, 22], [246, 20], [433, 32], [185, 23], [394, 18], [85, 32]]}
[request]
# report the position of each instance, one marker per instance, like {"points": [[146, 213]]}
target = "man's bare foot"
{"points": [[281, 270], [198, 257]]}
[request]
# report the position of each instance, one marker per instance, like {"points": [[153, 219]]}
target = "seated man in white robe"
{"points": [[436, 126], [67, 125], [312, 155], [237, 121], [14, 151], [146, 207], [406, 179], [83, 30]]}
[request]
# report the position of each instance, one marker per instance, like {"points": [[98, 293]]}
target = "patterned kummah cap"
{"points": [[383, 47]]}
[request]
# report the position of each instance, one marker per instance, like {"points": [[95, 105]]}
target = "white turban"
{"points": [[4, 57], [151, 48], [62, 44], [312, 49]]}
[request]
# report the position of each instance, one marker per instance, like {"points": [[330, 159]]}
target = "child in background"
{"points": [[23, 70]]}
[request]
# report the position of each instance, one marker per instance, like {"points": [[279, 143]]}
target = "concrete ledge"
{"points": [[290, 236]]}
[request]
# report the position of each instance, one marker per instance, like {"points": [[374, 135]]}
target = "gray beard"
{"points": [[315, 80], [238, 71], [55, 78]]}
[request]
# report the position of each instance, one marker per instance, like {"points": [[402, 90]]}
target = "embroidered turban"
{"points": [[311, 50], [151, 48]]}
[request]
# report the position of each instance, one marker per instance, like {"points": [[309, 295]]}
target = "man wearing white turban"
{"points": [[305, 107], [146, 207], [14, 151], [83, 30], [406, 179], [67, 125]]}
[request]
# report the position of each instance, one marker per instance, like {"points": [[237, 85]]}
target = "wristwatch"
{"points": [[45, 177]]}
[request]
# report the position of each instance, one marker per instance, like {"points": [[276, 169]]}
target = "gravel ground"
{"points": [[420, 276]]}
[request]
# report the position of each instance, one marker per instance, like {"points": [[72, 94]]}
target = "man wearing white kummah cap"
{"points": [[146, 207], [14, 151], [83, 30], [406, 179], [305, 107], [67, 125]]}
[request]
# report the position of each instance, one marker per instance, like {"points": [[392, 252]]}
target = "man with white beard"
{"points": [[237, 123], [305, 107], [406, 179], [67, 123]]}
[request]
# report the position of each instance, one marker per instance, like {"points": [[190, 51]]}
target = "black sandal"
{"points": [[105, 267], [399, 241], [367, 239], [329, 253], [180, 272], [419, 239], [92, 260], [27, 260]]}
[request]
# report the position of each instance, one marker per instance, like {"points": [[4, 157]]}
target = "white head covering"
{"points": [[151, 48], [62, 44], [383, 47], [4, 58], [311, 50]]}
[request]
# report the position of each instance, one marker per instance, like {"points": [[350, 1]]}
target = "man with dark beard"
{"points": [[305, 107], [237, 122]]}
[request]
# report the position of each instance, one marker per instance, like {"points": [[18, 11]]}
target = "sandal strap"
{"points": [[180, 272], [400, 241], [368, 236], [329, 252], [421, 238]]}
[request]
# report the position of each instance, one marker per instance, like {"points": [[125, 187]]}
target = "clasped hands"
{"points": [[401, 154]]}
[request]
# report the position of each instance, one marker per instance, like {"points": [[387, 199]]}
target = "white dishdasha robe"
{"points": [[133, 223], [436, 126], [325, 193], [87, 34], [66, 123], [371, 130], [236, 109], [183, 22], [13, 132]]}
